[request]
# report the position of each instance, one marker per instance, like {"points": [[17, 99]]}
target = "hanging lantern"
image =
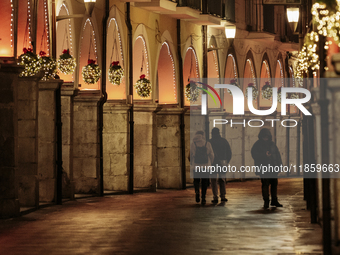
{"points": [[116, 73], [267, 91], [91, 72], [48, 66], [233, 82], [30, 62], [191, 92], [255, 92], [66, 63], [143, 87]]}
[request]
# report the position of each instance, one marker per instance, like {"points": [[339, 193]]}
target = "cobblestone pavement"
{"points": [[168, 222]]}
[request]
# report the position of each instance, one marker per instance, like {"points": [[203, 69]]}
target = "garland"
{"points": [[267, 91], [143, 86], [191, 92], [66, 63], [30, 61], [48, 66], [116, 73], [233, 82], [255, 92], [91, 72]]}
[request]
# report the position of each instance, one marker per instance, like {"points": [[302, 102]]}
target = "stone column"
{"points": [[145, 143], [47, 139], [86, 143], [116, 146], [169, 148], [27, 174], [68, 92], [9, 203]]}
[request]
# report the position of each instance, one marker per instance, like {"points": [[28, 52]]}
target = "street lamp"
{"points": [[293, 17], [230, 31]]}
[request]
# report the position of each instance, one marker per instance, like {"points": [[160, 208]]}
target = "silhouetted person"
{"points": [[201, 154], [222, 156], [265, 152]]}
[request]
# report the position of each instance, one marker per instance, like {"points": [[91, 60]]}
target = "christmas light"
{"points": [[255, 91], [116, 73], [30, 62], [233, 82], [267, 91], [191, 92], [91, 72], [48, 66], [143, 87], [66, 63]]}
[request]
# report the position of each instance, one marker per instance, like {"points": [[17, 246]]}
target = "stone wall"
{"points": [[116, 147], [9, 203], [169, 148], [85, 143]]}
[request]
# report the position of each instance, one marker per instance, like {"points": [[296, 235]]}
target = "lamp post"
{"points": [[293, 17]]}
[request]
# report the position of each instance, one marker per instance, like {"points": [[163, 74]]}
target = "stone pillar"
{"points": [[47, 139], [67, 98], [9, 203], [86, 143], [27, 174], [116, 147], [145, 143], [169, 166], [189, 180]]}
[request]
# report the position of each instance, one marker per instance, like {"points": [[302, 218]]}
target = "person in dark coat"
{"points": [[265, 152], [222, 158]]}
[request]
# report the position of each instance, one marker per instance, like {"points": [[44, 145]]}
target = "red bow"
{"points": [[142, 76], [27, 50], [115, 63], [91, 61], [250, 84], [42, 53], [266, 83], [66, 51], [233, 81]]}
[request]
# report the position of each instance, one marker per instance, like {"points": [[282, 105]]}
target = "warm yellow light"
{"points": [[230, 31], [89, 1], [293, 14]]}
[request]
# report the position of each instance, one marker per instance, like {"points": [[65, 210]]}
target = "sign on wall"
{"points": [[288, 2]]}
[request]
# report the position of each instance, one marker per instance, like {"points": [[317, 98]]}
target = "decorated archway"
{"points": [[64, 40], [6, 29], [43, 36], [167, 91], [250, 80], [24, 26], [231, 75], [141, 68], [88, 54], [116, 88], [265, 87], [190, 70]]}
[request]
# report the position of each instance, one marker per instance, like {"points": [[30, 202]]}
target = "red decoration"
{"points": [[142, 76], [66, 51], [42, 53], [250, 84], [232, 81], [267, 83], [91, 62], [115, 63], [27, 50]]}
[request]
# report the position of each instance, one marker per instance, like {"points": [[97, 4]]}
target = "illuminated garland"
{"points": [[30, 62], [291, 95], [233, 82], [116, 73], [143, 86], [91, 72], [48, 66], [191, 92], [66, 63], [255, 91], [267, 91]]}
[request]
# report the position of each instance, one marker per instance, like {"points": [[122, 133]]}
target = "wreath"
{"points": [[267, 91], [48, 66], [30, 61], [91, 72], [255, 92], [66, 63], [116, 73], [143, 86], [191, 92]]}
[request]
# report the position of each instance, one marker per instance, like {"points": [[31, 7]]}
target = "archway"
{"points": [[231, 75], [114, 53], [24, 26], [140, 64], [6, 29], [190, 70], [88, 50], [167, 91]]}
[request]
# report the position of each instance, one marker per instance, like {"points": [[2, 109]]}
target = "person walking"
{"points": [[265, 152], [201, 154], [222, 158]]}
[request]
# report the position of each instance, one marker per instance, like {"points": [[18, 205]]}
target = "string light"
{"points": [[31, 63], [48, 66], [267, 91], [146, 53], [91, 72], [116, 73], [143, 87], [47, 27], [191, 92], [12, 22], [66, 63], [173, 70]]}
